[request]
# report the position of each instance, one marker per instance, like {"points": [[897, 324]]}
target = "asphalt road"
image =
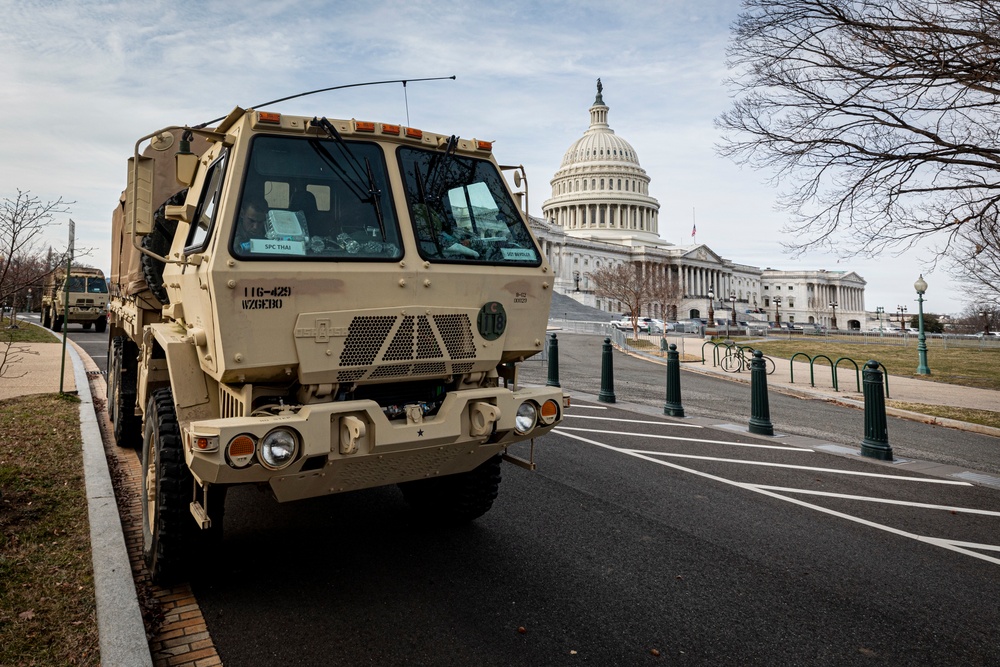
{"points": [[643, 382], [626, 543], [639, 539]]}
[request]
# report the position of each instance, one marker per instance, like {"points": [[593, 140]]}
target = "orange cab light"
{"points": [[269, 117], [484, 145], [414, 133], [550, 410], [390, 129], [364, 126], [201, 442], [242, 445]]}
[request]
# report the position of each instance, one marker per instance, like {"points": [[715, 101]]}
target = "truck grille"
{"points": [[415, 339]]}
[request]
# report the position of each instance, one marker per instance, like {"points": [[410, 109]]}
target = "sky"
{"points": [[82, 81]]}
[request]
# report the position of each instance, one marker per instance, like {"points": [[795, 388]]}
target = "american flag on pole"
{"points": [[694, 229]]}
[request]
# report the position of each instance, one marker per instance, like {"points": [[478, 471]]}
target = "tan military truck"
{"points": [[316, 306], [88, 299]]}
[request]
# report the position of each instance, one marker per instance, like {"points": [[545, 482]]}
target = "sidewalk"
{"points": [[905, 389]]}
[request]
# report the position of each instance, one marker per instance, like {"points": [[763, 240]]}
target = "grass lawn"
{"points": [[966, 366], [47, 606]]}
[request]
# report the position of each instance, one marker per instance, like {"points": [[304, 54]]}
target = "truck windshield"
{"points": [[97, 286], [462, 211], [310, 198]]}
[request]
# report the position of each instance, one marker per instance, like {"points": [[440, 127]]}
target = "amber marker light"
{"points": [[206, 443], [240, 451], [390, 129], [549, 412], [364, 126], [269, 117], [484, 145], [414, 133]]}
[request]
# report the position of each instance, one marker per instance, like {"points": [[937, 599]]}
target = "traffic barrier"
{"points": [[607, 394], [553, 379], [760, 412], [876, 442], [673, 406]]}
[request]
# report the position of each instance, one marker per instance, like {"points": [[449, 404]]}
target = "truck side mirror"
{"points": [[185, 164]]}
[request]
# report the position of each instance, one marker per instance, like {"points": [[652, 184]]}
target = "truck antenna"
{"points": [[348, 85]]}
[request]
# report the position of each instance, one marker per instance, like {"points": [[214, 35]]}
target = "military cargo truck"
{"points": [[316, 306], [88, 299]]}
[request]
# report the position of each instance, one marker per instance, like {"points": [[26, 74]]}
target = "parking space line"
{"points": [[636, 421], [958, 547], [677, 437], [588, 407], [836, 471], [907, 503]]}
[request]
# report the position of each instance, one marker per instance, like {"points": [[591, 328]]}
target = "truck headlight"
{"points": [[278, 448], [525, 418]]}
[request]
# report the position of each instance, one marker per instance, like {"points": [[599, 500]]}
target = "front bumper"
{"points": [[351, 445]]}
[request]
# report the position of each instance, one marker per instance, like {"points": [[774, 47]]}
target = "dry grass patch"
{"points": [[982, 417], [47, 606]]}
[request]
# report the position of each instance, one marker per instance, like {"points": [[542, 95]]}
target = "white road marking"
{"points": [[677, 437], [837, 471], [636, 421], [907, 503], [958, 547], [588, 407]]}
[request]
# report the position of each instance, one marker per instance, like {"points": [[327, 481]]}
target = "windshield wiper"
{"points": [[376, 198]]}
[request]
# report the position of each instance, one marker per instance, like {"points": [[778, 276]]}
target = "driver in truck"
{"points": [[252, 221]]}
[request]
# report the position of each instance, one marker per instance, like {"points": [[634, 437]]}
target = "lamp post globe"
{"points": [[777, 314], [921, 286], [711, 308], [833, 320]]}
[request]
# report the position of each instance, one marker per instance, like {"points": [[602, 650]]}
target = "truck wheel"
{"points": [[101, 325], [122, 371], [57, 323], [86, 325], [46, 318], [167, 527], [456, 498], [158, 241]]}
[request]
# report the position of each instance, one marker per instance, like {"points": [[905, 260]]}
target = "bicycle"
{"points": [[738, 359]]}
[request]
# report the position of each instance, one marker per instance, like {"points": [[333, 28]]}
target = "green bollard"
{"points": [[876, 442], [553, 379], [607, 394], [760, 411], [673, 405]]}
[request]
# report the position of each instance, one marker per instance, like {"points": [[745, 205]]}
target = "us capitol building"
{"points": [[600, 214]]}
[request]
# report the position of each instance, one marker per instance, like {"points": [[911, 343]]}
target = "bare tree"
{"points": [[977, 264], [624, 283], [667, 294], [23, 263], [878, 118]]}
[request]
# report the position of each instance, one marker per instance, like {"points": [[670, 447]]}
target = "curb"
{"points": [[122, 635]]}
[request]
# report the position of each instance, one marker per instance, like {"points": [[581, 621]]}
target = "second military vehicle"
{"points": [[87, 302]]}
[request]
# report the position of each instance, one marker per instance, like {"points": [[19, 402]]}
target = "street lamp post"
{"points": [[878, 314], [833, 320], [29, 300], [732, 299], [777, 315], [901, 310], [711, 308], [921, 287], [986, 322]]}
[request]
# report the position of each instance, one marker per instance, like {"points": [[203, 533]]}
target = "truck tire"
{"points": [[122, 373], [158, 241], [46, 318], [101, 325], [169, 534], [167, 527], [57, 323], [456, 498], [86, 325]]}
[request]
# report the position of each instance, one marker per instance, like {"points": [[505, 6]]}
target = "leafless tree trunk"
{"points": [[623, 282], [23, 263]]}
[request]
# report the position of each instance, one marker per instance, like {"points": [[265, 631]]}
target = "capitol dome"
{"points": [[600, 190]]}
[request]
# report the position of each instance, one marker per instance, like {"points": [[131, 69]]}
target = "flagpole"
{"points": [[694, 227]]}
